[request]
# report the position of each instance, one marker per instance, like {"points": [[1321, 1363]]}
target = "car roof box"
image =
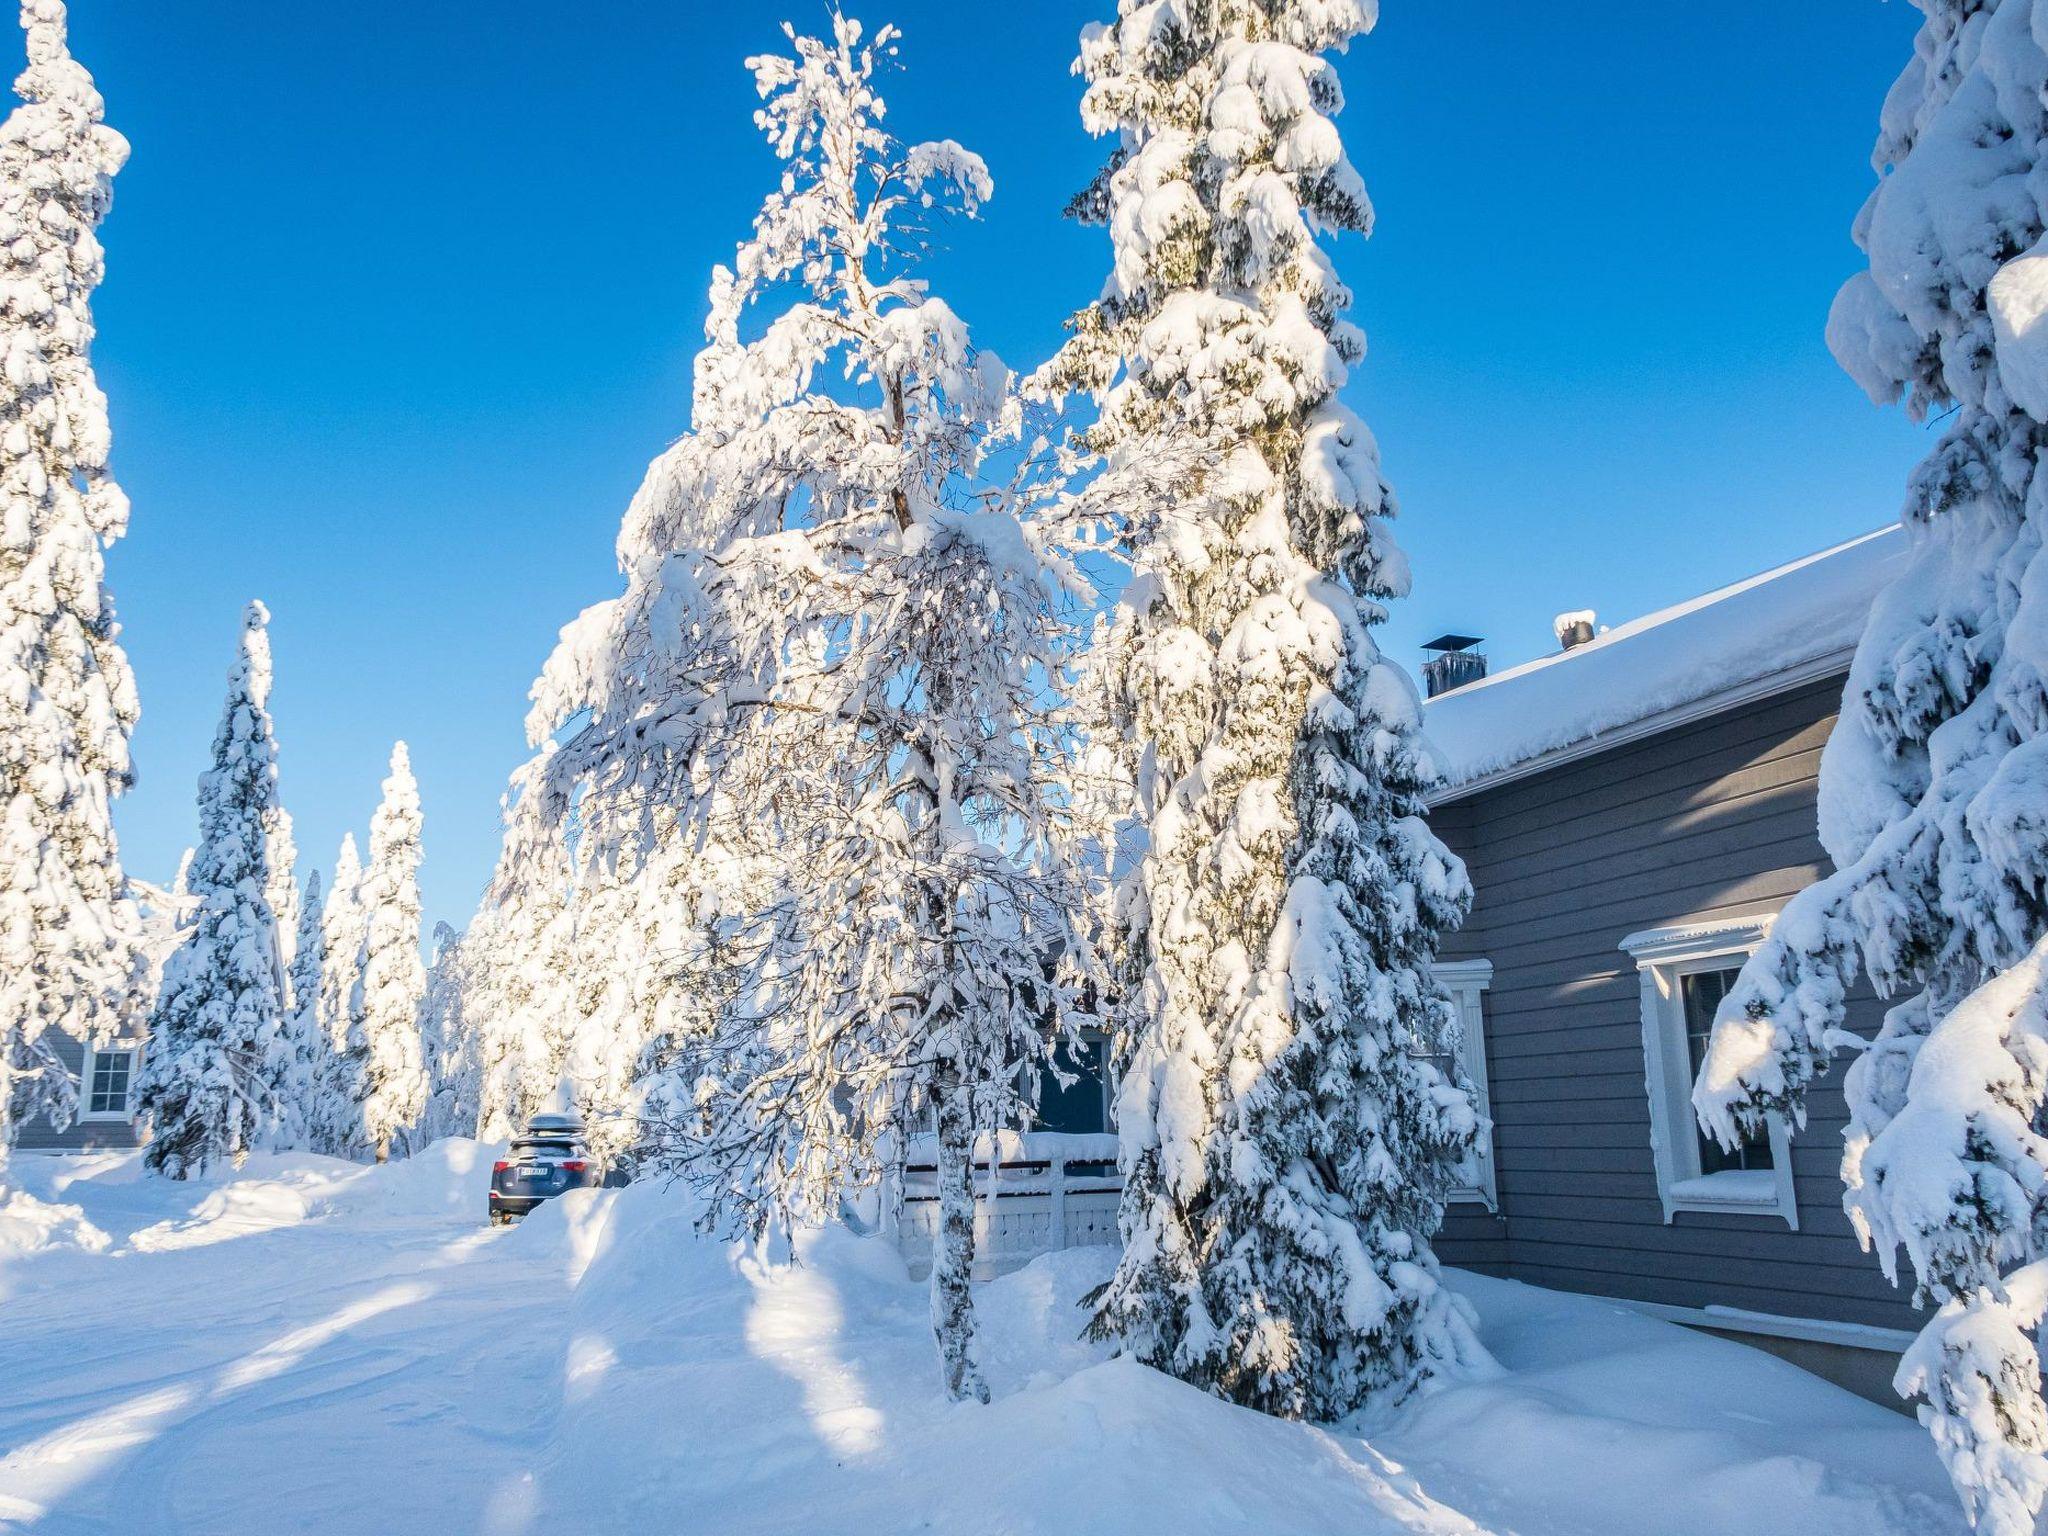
{"points": [[556, 1123]]}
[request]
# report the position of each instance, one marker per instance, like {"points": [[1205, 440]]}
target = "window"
{"points": [[109, 1070], [1080, 1107], [1467, 981], [1701, 992], [1685, 972]]}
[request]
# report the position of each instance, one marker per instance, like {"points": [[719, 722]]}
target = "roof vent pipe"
{"points": [[1573, 629], [1454, 663]]}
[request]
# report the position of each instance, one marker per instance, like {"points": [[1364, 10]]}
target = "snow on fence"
{"points": [[1043, 1190]]}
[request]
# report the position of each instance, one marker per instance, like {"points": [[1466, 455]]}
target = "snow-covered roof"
{"points": [[1785, 626]]}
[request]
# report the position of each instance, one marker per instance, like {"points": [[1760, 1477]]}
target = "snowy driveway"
{"points": [[312, 1348]]}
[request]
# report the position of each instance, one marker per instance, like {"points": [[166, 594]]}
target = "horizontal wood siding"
{"points": [[1473, 1238], [1714, 819], [81, 1135]]}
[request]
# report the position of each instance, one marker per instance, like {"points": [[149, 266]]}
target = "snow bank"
{"points": [[43, 1198], [29, 1226], [570, 1230], [1783, 619], [449, 1178], [238, 1209]]}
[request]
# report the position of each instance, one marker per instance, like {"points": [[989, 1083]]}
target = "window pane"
{"points": [[1080, 1108], [107, 1094], [1702, 993]]}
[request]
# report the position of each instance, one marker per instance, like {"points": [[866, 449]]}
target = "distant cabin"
{"points": [[107, 1072]]}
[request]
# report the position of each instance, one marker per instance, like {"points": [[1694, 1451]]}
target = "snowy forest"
{"points": [[954, 715]]}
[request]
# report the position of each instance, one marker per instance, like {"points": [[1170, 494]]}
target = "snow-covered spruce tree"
{"points": [[67, 699], [829, 618], [302, 1043], [211, 1077], [388, 1079], [1285, 1152], [286, 1057], [1934, 784], [449, 1042], [280, 858], [334, 1121]]}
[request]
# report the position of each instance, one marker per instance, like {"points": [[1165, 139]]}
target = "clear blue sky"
{"points": [[401, 299]]}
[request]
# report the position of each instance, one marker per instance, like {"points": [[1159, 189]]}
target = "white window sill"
{"points": [[1752, 1191]]}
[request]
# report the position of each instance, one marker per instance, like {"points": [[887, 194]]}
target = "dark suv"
{"points": [[549, 1157]]}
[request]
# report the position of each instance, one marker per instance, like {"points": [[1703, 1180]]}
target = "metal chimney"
{"points": [[1453, 664], [1573, 629]]}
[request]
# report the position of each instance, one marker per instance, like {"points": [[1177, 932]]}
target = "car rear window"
{"points": [[534, 1144]]}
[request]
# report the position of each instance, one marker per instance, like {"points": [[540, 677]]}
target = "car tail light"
{"points": [[577, 1166], [499, 1167]]}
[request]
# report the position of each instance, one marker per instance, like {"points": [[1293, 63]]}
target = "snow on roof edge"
{"points": [[1778, 621]]}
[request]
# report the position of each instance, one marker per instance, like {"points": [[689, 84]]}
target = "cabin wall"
{"points": [[81, 1135], [1714, 819]]}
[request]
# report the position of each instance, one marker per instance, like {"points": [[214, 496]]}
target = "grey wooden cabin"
{"points": [[1633, 811]]}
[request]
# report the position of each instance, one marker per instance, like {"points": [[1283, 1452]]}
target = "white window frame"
{"points": [[1467, 981], [133, 1051], [1664, 957]]}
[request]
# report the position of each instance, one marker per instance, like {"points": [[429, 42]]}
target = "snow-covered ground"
{"points": [[315, 1347]]}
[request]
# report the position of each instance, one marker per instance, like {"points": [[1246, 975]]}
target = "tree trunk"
{"points": [[953, 1247]]}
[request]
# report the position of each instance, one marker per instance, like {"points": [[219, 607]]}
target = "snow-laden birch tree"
{"points": [[68, 932], [517, 956], [334, 1123], [1285, 1151], [387, 1079], [834, 622], [1934, 783], [211, 1077]]}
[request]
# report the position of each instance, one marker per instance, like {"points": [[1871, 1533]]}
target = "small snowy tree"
{"points": [[837, 641], [211, 1078], [68, 932], [1934, 783], [389, 1079], [1285, 1151], [334, 1121]]}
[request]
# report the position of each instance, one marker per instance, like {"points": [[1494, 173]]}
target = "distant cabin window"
{"points": [[1466, 981], [1685, 972], [106, 1090], [1079, 1107], [1701, 993]]}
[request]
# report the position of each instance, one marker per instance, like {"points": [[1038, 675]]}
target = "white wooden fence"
{"points": [[1040, 1191]]}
